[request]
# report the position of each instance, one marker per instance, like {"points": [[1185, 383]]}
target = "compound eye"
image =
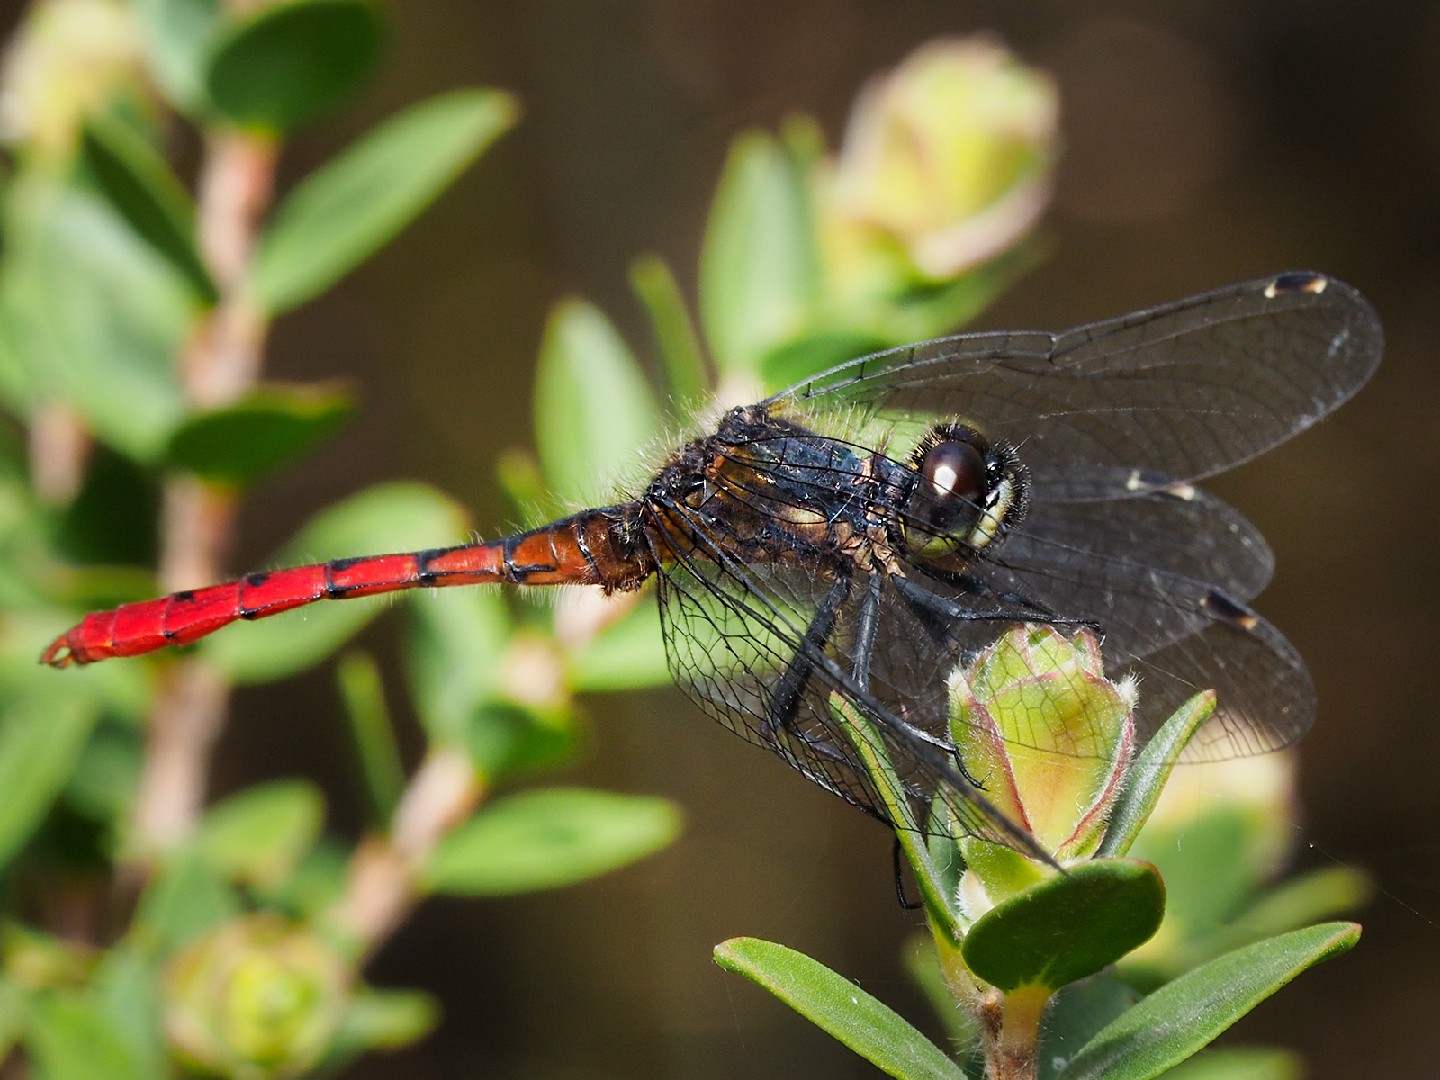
{"points": [[954, 472]]}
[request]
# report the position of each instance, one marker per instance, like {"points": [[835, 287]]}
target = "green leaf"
{"points": [[870, 748], [811, 354], [373, 734], [837, 1006], [1289, 905], [382, 519], [385, 1020], [258, 835], [186, 898], [937, 310], [288, 62], [759, 268], [922, 964], [140, 186], [1067, 926], [347, 210], [176, 35], [453, 658], [1075, 1013], [675, 336], [126, 992], [1242, 1063], [593, 409], [546, 839], [627, 655], [1183, 1016], [70, 1039], [243, 443], [91, 316], [41, 738], [1145, 779]]}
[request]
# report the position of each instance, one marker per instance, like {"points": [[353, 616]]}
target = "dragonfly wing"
{"points": [[1178, 635], [1185, 390], [740, 644]]}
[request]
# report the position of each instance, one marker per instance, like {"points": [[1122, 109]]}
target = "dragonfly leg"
{"points": [[866, 627], [789, 691]]}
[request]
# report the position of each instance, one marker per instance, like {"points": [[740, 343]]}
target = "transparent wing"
{"points": [[1184, 390], [742, 642]]}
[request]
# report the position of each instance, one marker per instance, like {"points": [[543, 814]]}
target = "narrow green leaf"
{"points": [[1075, 1014], [176, 35], [546, 839], [125, 988], [759, 268], [347, 210], [1240, 1063], [454, 657], [593, 409], [811, 354], [871, 750], [839, 1007], [90, 315], [1185, 1015], [674, 331], [383, 519], [186, 898], [1067, 926], [938, 310], [373, 734], [385, 1020], [1293, 903], [286, 63], [258, 835], [41, 738], [70, 1039], [1145, 778], [140, 186], [628, 655], [241, 444]]}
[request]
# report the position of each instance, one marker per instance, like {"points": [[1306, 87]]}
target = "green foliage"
{"points": [[546, 839], [1067, 926], [837, 1006], [286, 63], [138, 184], [1181, 1017], [347, 210], [593, 409], [759, 271], [239, 445]]}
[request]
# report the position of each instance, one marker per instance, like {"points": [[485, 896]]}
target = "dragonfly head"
{"points": [[967, 489]]}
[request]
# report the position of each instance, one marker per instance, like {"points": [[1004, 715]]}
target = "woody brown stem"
{"points": [[219, 364]]}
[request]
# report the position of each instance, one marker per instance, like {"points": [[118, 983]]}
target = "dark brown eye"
{"points": [[953, 472]]}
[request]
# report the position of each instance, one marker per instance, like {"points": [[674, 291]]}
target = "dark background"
{"points": [[1204, 144]]}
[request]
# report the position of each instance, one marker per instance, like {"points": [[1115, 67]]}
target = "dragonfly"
{"points": [[858, 536]]}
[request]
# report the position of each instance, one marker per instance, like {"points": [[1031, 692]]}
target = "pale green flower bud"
{"points": [[258, 998], [1047, 736], [946, 163]]}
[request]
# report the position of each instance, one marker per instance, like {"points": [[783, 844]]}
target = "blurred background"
{"points": [[1202, 144]]}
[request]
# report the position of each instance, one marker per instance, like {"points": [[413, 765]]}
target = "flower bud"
{"points": [[1048, 738], [946, 163], [257, 998]]}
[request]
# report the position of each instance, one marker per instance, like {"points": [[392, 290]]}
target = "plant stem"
{"points": [[1011, 1023], [220, 362], [381, 887]]}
